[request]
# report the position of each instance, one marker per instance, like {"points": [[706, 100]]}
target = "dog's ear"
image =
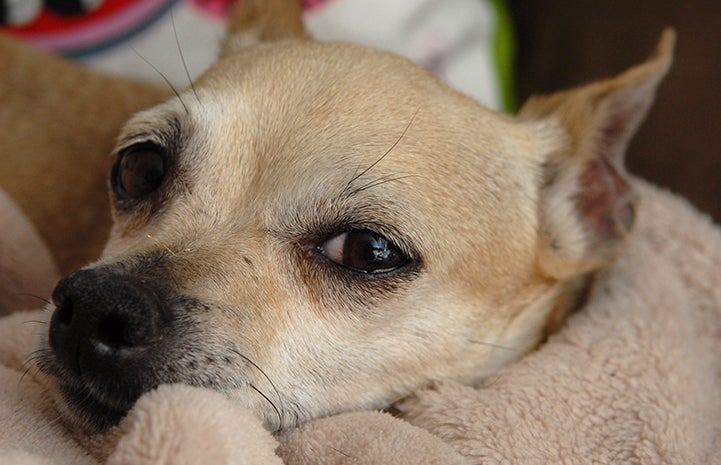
{"points": [[587, 204], [255, 21]]}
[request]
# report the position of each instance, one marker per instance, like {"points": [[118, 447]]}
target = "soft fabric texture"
{"points": [[634, 377]]}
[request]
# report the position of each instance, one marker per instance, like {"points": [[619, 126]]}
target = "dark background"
{"points": [[564, 43]]}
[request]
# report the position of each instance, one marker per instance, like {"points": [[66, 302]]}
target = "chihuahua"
{"points": [[317, 227]]}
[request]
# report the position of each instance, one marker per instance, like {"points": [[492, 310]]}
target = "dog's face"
{"points": [[317, 228]]}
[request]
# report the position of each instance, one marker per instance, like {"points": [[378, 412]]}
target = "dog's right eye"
{"points": [[364, 252], [139, 171]]}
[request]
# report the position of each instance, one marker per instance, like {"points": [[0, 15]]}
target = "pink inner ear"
{"points": [[606, 203]]}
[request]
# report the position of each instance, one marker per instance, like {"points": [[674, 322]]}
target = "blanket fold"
{"points": [[634, 378]]}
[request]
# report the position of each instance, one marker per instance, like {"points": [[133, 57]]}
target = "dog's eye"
{"points": [[140, 170], [364, 251]]}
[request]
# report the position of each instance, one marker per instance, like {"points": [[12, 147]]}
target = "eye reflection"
{"points": [[138, 172], [364, 251]]}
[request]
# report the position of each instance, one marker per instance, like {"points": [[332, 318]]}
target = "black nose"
{"points": [[104, 321]]}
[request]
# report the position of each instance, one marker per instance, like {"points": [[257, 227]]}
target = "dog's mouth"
{"points": [[93, 404], [116, 335], [96, 411]]}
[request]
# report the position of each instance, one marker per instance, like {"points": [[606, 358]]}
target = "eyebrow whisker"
{"points": [[182, 57], [380, 181], [405, 130], [164, 77]]}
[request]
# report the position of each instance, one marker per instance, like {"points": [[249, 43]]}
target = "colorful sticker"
{"points": [[77, 27]]}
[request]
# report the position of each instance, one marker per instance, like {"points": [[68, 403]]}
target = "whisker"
{"points": [[33, 296], [161, 244], [488, 383], [265, 375], [495, 346], [25, 372], [35, 321], [182, 57], [167, 81], [58, 418], [358, 175], [341, 452], [380, 181], [277, 412], [31, 362], [37, 352]]}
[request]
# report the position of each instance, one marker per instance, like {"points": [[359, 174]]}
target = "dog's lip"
{"points": [[102, 411]]}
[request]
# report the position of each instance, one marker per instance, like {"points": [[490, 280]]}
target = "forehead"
{"points": [[293, 105], [293, 125], [307, 98]]}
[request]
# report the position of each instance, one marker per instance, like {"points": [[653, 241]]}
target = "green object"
{"points": [[503, 53]]}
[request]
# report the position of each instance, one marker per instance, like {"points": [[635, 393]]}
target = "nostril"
{"points": [[112, 332], [102, 319]]}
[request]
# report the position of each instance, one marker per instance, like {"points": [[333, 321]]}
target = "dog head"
{"points": [[316, 228]]}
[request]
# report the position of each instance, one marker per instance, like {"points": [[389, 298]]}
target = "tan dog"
{"points": [[316, 228]]}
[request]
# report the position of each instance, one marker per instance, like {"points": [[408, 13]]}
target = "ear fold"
{"points": [[255, 21], [587, 205]]}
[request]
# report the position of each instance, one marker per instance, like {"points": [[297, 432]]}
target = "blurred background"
{"points": [[561, 43], [496, 51]]}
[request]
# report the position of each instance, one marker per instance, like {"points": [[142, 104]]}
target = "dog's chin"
{"points": [[81, 409], [92, 422], [89, 411]]}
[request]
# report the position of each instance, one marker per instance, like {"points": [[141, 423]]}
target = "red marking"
{"points": [[49, 22]]}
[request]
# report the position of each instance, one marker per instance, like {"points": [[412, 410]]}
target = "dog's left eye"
{"points": [[140, 170], [364, 251]]}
